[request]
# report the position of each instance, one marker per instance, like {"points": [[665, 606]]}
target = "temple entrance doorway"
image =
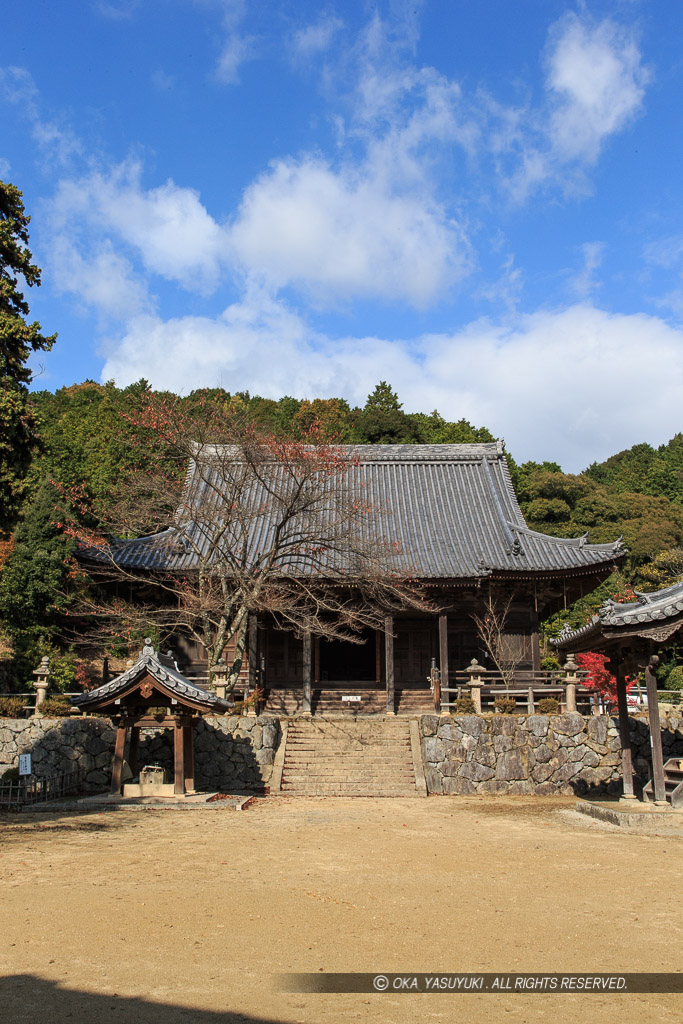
{"points": [[342, 662]]}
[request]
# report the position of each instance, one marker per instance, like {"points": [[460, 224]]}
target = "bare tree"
{"points": [[500, 644], [251, 523]]}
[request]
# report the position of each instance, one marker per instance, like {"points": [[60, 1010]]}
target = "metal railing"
{"points": [[29, 789]]}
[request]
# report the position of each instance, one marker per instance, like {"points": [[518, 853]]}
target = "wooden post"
{"points": [[118, 757], [178, 760], [188, 755], [389, 662], [253, 653], [253, 659], [443, 650], [624, 735], [530, 703], [307, 674], [659, 783], [378, 656], [316, 661], [133, 749]]}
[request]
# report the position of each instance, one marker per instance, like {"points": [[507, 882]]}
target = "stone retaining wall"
{"points": [[462, 754], [540, 754], [231, 753]]}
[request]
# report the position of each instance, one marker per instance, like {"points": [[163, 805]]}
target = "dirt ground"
{"points": [[165, 916]]}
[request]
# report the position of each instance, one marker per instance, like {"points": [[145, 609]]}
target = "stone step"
{"points": [[370, 791]]}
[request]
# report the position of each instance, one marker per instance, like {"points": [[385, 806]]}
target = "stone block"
{"points": [[522, 788], [271, 732], [457, 786], [433, 749], [502, 743], [541, 773], [265, 755], [475, 772], [543, 753], [537, 725], [511, 766], [434, 779], [429, 725], [566, 772], [570, 724], [596, 728], [578, 753]]}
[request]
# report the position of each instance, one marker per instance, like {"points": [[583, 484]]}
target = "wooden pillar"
{"points": [[443, 650], [307, 674], [178, 759], [134, 748], [253, 653], [389, 663], [535, 643], [119, 748], [659, 784], [624, 735], [188, 755], [316, 661], [378, 656]]}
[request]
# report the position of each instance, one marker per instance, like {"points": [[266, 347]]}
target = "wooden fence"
{"points": [[31, 790]]}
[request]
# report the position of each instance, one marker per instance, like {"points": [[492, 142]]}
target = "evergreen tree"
{"points": [[18, 338]]}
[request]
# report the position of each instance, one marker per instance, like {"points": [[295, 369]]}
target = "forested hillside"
{"points": [[89, 437]]}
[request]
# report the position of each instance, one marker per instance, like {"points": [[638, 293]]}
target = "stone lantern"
{"points": [[571, 679], [475, 671], [42, 674], [220, 678]]}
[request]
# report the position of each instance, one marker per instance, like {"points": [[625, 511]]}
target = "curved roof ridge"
{"points": [[580, 542]]}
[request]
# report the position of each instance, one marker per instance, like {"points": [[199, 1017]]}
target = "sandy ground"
{"points": [[159, 917]]}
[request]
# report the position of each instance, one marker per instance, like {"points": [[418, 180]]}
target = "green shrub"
{"points": [[465, 706], [551, 664], [504, 705], [12, 707], [548, 706], [674, 680], [55, 707]]}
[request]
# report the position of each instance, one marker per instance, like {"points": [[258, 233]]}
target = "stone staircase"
{"points": [[347, 756]]}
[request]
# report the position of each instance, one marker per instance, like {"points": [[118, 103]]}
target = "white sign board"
{"points": [[24, 764], [346, 696]]}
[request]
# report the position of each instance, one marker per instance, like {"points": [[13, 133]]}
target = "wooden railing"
{"points": [[526, 689]]}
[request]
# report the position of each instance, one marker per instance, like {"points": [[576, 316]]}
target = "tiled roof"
{"points": [[163, 669], [650, 610], [451, 512]]}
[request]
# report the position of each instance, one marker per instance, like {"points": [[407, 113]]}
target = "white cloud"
{"points": [[238, 47], [598, 83], [344, 234], [584, 282], [595, 86], [570, 385], [316, 38], [58, 140], [104, 281], [167, 228]]}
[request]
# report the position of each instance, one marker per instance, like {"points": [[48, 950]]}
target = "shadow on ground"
{"points": [[27, 999]]}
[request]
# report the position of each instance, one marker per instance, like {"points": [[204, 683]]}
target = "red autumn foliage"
{"points": [[599, 678]]}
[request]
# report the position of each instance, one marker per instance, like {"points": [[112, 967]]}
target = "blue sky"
{"points": [[478, 202]]}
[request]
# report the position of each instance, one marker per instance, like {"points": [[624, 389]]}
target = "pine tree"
{"points": [[18, 338]]}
